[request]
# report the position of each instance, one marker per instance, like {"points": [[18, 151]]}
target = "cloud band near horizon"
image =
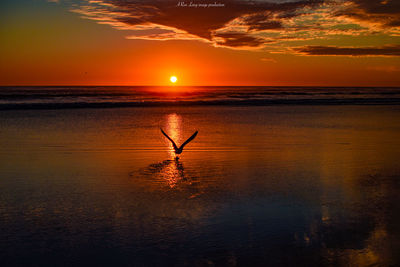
{"points": [[389, 50]]}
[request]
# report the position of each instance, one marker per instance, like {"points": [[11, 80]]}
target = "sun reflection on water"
{"points": [[173, 128]]}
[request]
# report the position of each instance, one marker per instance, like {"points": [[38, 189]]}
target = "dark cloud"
{"points": [[385, 12], [261, 22], [206, 23], [239, 40], [241, 23], [388, 50]]}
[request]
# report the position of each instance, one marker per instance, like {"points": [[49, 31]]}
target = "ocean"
{"points": [[275, 177], [42, 97]]}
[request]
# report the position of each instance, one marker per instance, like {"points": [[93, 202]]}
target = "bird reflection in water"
{"points": [[170, 174], [171, 171]]}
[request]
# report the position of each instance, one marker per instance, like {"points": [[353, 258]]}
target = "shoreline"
{"points": [[306, 102]]}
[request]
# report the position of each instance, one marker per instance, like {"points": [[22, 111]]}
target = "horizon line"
{"points": [[180, 86]]}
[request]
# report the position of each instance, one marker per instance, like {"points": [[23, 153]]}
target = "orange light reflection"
{"points": [[173, 128]]}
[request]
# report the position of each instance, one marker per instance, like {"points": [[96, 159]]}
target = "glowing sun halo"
{"points": [[173, 79]]}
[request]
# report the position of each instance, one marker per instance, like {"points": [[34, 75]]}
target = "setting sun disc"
{"points": [[173, 79]]}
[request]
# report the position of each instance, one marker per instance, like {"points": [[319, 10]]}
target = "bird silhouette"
{"points": [[178, 150]]}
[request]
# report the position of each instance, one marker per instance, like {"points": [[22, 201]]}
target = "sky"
{"points": [[203, 42]]}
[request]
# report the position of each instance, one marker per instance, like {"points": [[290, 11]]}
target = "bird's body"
{"points": [[179, 150]]}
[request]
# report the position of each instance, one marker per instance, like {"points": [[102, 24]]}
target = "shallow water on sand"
{"points": [[278, 185]]}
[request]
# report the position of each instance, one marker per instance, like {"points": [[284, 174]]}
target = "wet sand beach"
{"points": [[272, 185]]}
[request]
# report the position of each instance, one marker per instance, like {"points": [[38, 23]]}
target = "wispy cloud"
{"points": [[267, 59], [383, 13], [245, 24]]}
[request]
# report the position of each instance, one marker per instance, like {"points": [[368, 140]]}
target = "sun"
{"points": [[173, 79]]}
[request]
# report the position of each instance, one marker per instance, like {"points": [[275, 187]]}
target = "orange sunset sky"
{"points": [[271, 42]]}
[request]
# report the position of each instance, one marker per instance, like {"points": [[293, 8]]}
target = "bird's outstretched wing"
{"points": [[189, 139], [169, 138]]}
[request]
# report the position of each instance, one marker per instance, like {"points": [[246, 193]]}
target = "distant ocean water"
{"points": [[49, 97]]}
